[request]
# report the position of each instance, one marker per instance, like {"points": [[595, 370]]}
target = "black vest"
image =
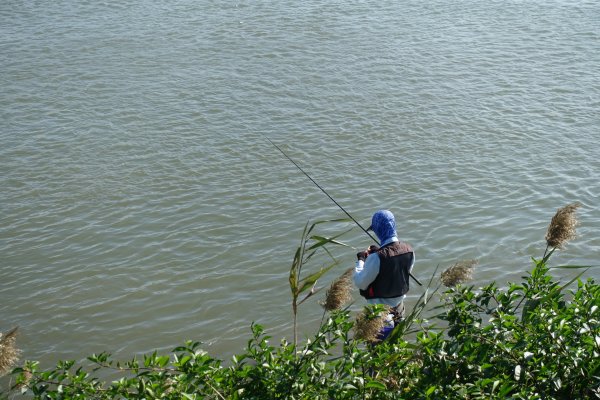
{"points": [[392, 281]]}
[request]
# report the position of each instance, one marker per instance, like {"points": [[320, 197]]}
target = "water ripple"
{"points": [[141, 204]]}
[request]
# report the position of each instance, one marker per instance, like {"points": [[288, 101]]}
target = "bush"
{"points": [[547, 349], [492, 348]]}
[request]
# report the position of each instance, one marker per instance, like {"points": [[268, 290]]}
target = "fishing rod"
{"points": [[332, 199]]}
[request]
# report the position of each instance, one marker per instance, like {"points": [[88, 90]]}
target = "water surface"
{"points": [[141, 204]]}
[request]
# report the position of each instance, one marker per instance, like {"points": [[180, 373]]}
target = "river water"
{"points": [[142, 205]]}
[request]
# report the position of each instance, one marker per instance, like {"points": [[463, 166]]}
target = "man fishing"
{"points": [[385, 289], [382, 273]]}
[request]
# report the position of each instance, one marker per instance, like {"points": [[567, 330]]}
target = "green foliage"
{"points": [[533, 340], [547, 349]]}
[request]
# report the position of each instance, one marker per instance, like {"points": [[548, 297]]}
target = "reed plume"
{"points": [[562, 226], [368, 324], [9, 353], [340, 292], [460, 272]]}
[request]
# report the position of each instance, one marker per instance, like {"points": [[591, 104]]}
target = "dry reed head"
{"points": [[460, 272], [368, 325], [9, 354], [562, 226], [340, 292]]}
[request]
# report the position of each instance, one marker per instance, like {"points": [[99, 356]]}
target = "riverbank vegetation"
{"points": [[539, 338]]}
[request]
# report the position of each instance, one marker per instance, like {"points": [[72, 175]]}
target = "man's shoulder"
{"points": [[395, 248]]}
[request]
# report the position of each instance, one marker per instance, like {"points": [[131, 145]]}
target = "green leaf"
{"points": [[310, 280], [430, 391], [495, 385], [184, 360], [294, 273], [309, 256], [504, 390], [574, 266], [547, 257], [162, 361], [375, 385], [528, 308], [572, 280], [327, 221], [310, 294], [322, 240]]}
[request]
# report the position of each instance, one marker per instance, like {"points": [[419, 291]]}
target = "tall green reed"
{"points": [[310, 245]]}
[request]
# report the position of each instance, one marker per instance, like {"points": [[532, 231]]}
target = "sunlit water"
{"points": [[142, 205]]}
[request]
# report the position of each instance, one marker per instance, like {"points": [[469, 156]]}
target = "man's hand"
{"points": [[362, 255]]}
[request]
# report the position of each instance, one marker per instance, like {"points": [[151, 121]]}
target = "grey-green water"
{"points": [[141, 204]]}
